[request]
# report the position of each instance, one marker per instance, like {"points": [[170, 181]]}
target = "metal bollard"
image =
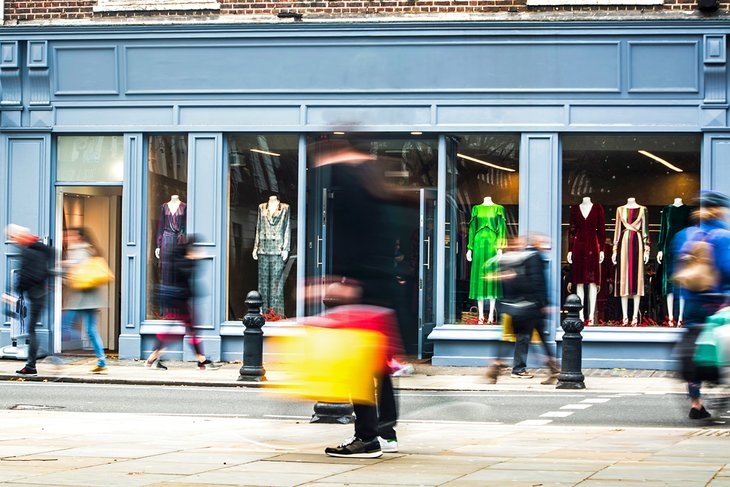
{"points": [[571, 376], [253, 341]]}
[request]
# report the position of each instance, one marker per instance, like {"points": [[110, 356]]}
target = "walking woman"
{"points": [[83, 304]]}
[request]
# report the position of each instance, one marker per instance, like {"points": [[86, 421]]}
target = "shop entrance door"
{"points": [[96, 209], [426, 261]]}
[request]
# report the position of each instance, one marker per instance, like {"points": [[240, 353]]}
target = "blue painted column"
{"points": [[133, 247], [715, 167], [207, 214], [540, 200]]}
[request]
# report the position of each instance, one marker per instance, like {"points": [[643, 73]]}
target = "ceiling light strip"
{"points": [[474, 159], [260, 151], [659, 159]]}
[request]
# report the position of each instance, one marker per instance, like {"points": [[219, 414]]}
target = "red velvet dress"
{"points": [[585, 239]]}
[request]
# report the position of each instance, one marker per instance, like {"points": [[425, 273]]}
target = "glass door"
{"points": [[426, 261]]}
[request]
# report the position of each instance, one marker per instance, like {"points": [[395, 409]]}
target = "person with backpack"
{"points": [[524, 278], [703, 274], [36, 262]]}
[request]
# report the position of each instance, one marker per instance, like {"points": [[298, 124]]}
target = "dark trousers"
{"points": [[373, 420], [523, 334], [696, 312], [37, 302]]}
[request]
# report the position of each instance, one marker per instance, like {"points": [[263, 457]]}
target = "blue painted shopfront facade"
{"points": [[541, 81]]}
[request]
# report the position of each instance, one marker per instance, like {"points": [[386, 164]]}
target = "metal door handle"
{"points": [[319, 251], [428, 253]]}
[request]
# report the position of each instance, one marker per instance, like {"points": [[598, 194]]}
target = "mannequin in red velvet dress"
{"points": [[586, 234]]}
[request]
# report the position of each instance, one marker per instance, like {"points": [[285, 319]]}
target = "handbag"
{"points": [[92, 272], [697, 271]]}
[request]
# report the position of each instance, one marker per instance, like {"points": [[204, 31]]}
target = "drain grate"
{"points": [[715, 433], [34, 407]]}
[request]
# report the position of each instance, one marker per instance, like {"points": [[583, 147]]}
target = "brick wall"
{"points": [[47, 11]]}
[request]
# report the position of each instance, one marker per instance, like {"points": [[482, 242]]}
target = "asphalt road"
{"points": [[579, 408]]}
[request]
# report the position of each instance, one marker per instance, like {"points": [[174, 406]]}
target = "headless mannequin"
{"points": [[272, 207], [173, 205], [585, 208], [670, 297], [492, 302], [631, 203]]}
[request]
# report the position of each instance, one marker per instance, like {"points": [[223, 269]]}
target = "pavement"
{"points": [[426, 377]]}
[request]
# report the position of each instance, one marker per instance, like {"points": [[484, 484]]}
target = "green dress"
{"points": [[487, 230]]}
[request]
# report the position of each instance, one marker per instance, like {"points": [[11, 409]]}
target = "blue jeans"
{"points": [[89, 318]]}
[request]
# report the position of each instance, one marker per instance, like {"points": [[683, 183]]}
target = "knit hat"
{"points": [[713, 199]]}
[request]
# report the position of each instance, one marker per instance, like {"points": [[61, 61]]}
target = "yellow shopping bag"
{"points": [[332, 364], [508, 331]]}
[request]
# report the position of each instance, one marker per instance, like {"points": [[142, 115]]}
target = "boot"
{"points": [[553, 372]]}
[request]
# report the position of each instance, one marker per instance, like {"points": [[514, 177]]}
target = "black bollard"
{"points": [[253, 341], [332, 412], [571, 376]]}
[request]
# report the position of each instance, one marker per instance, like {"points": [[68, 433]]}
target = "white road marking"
{"points": [[576, 406], [557, 414], [436, 421], [534, 422], [597, 400], [285, 416]]}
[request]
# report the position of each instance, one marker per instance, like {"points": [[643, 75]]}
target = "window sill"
{"points": [[155, 6], [602, 3]]}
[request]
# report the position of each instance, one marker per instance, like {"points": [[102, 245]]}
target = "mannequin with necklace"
{"points": [[271, 250], [630, 254], [586, 233], [675, 217], [171, 229], [487, 232]]}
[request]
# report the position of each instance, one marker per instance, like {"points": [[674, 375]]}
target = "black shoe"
{"points": [[27, 371], [356, 448], [160, 365], [700, 413], [206, 364]]}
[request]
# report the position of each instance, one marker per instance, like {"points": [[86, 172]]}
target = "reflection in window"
{"points": [[167, 189], [624, 199], [481, 217], [83, 158], [262, 190]]}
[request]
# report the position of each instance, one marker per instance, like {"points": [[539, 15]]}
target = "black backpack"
{"points": [[35, 266]]}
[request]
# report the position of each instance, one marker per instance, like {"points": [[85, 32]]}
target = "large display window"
{"points": [[167, 213], [262, 223], [624, 199], [482, 216]]}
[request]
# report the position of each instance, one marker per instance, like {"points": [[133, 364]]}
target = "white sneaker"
{"points": [[405, 369], [388, 446]]}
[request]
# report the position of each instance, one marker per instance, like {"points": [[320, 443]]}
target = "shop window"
{"points": [[262, 223], [624, 198], [482, 210], [84, 158], [167, 213]]}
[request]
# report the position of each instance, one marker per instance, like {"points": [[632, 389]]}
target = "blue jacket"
{"points": [[717, 233]]}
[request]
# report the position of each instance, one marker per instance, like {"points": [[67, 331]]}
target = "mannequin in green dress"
{"points": [[487, 231], [675, 217]]}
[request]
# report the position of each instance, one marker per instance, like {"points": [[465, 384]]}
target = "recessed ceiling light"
{"points": [[339, 133], [416, 133]]}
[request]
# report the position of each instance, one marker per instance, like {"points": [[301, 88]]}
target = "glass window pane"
{"points": [[167, 190], [625, 195], [262, 223], [90, 158], [482, 215]]}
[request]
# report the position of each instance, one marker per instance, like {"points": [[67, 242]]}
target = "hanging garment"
{"points": [[585, 239], [674, 219], [630, 241], [273, 236], [487, 231], [170, 232]]}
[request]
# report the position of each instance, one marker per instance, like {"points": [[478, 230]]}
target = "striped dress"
{"points": [[630, 242]]}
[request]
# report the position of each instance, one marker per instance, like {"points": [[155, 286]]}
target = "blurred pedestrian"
{"points": [[714, 229], [524, 273], [366, 230], [179, 297], [83, 303], [36, 262]]}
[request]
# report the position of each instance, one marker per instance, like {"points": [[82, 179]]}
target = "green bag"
{"points": [[711, 346]]}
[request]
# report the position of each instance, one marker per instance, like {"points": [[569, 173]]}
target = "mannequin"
{"points": [[586, 233], [171, 229], [271, 249], [630, 254], [675, 217], [487, 231]]}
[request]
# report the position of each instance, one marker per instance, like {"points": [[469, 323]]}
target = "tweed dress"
{"points": [[487, 232]]}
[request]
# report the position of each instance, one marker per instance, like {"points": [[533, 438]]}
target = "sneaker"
{"points": [[388, 446], [160, 365], [522, 375], [404, 369], [700, 413], [27, 371], [99, 369], [356, 448]]}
